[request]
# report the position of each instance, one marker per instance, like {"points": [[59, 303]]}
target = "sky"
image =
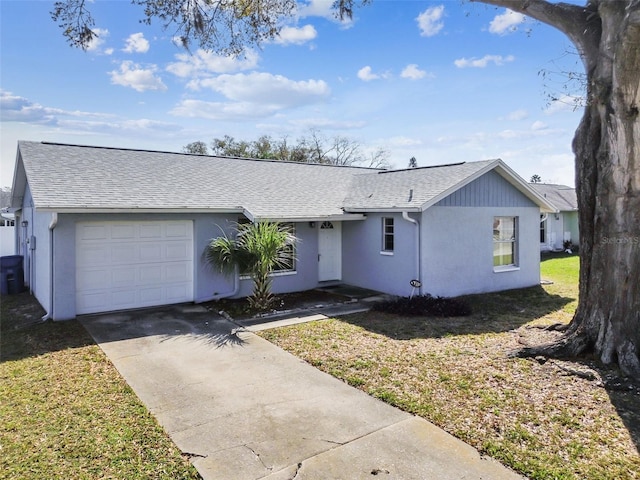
{"points": [[442, 81]]}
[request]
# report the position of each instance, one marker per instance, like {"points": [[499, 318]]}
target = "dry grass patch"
{"points": [[66, 413], [547, 420]]}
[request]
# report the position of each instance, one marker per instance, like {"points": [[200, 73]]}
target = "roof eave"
{"points": [[344, 217], [384, 210], [81, 209]]}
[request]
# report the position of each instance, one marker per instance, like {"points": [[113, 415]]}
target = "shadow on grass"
{"points": [[24, 334], [492, 313]]}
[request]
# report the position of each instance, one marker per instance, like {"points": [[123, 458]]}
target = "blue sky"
{"points": [[442, 81]]}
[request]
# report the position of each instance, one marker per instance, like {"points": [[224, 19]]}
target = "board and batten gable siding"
{"points": [[490, 190]]}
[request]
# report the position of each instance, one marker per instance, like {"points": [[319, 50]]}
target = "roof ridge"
{"points": [[437, 166], [272, 160]]}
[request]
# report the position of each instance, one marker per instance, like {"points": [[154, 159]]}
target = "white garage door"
{"points": [[122, 265]]}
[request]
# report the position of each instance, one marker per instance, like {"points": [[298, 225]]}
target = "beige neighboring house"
{"points": [[557, 228]]}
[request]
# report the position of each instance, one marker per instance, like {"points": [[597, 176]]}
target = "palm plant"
{"points": [[258, 249]]}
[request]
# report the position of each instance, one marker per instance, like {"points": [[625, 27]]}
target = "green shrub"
{"points": [[425, 305]]}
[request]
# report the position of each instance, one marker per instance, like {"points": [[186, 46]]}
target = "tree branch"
{"points": [[580, 23]]}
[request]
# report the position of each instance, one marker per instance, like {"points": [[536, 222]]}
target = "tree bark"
{"points": [[607, 155]]}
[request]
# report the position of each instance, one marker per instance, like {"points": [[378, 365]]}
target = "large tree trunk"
{"points": [[607, 150]]}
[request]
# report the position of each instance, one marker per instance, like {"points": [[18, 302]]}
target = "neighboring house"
{"points": [[7, 233], [562, 225], [106, 229]]}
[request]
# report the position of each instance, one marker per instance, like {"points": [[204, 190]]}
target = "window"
{"points": [[387, 234], [543, 228], [289, 252], [505, 241]]}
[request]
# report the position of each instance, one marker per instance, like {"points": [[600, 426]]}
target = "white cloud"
{"points": [[517, 115], [136, 43], [565, 103], [484, 61], [430, 22], [412, 72], [315, 8], [506, 22], [101, 35], [267, 89], [538, 125], [403, 142], [14, 108], [222, 110], [203, 63], [296, 36], [366, 75], [320, 8], [139, 78]]}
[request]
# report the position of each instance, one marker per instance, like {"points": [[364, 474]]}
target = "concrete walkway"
{"points": [[244, 409]]}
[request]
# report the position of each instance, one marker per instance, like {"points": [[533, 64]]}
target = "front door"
{"points": [[329, 251]]}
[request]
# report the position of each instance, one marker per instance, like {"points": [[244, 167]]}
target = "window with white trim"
{"points": [[387, 234], [505, 241], [289, 251]]}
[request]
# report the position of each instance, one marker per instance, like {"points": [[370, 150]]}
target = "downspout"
{"points": [[405, 215], [52, 225], [220, 296]]}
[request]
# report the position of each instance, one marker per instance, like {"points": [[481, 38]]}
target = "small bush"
{"points": [[425, 305]]}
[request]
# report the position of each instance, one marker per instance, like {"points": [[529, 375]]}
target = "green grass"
{"points": [[65, 412], [456, 373]]}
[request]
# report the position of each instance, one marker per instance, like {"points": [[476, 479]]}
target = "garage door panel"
{"points": [[177, 273], [177, 292], [177, 251], [123, 277], [93, 255], [150, 252], [123, 254], [122, 265], [151, 296], [150, 274], [177, 230], [151, 231], [93, 278], [122, 231], [121, 299], [92, 232]]}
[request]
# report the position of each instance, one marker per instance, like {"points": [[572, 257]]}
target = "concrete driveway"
{"points": [[243, 408]]}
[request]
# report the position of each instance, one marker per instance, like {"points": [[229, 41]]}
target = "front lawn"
{"points": [[65, 412], [547, 420]]}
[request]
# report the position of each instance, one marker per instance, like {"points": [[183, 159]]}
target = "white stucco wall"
{"points": [[366, 266], [457, 246], [207, 282]]}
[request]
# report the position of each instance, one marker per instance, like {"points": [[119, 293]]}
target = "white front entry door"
{"points": [[330, 251], [122, 265]]}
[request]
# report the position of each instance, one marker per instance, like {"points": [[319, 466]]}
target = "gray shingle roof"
{"points": [[82, 178], [411, 188], [79, 177], [564, 198]]}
